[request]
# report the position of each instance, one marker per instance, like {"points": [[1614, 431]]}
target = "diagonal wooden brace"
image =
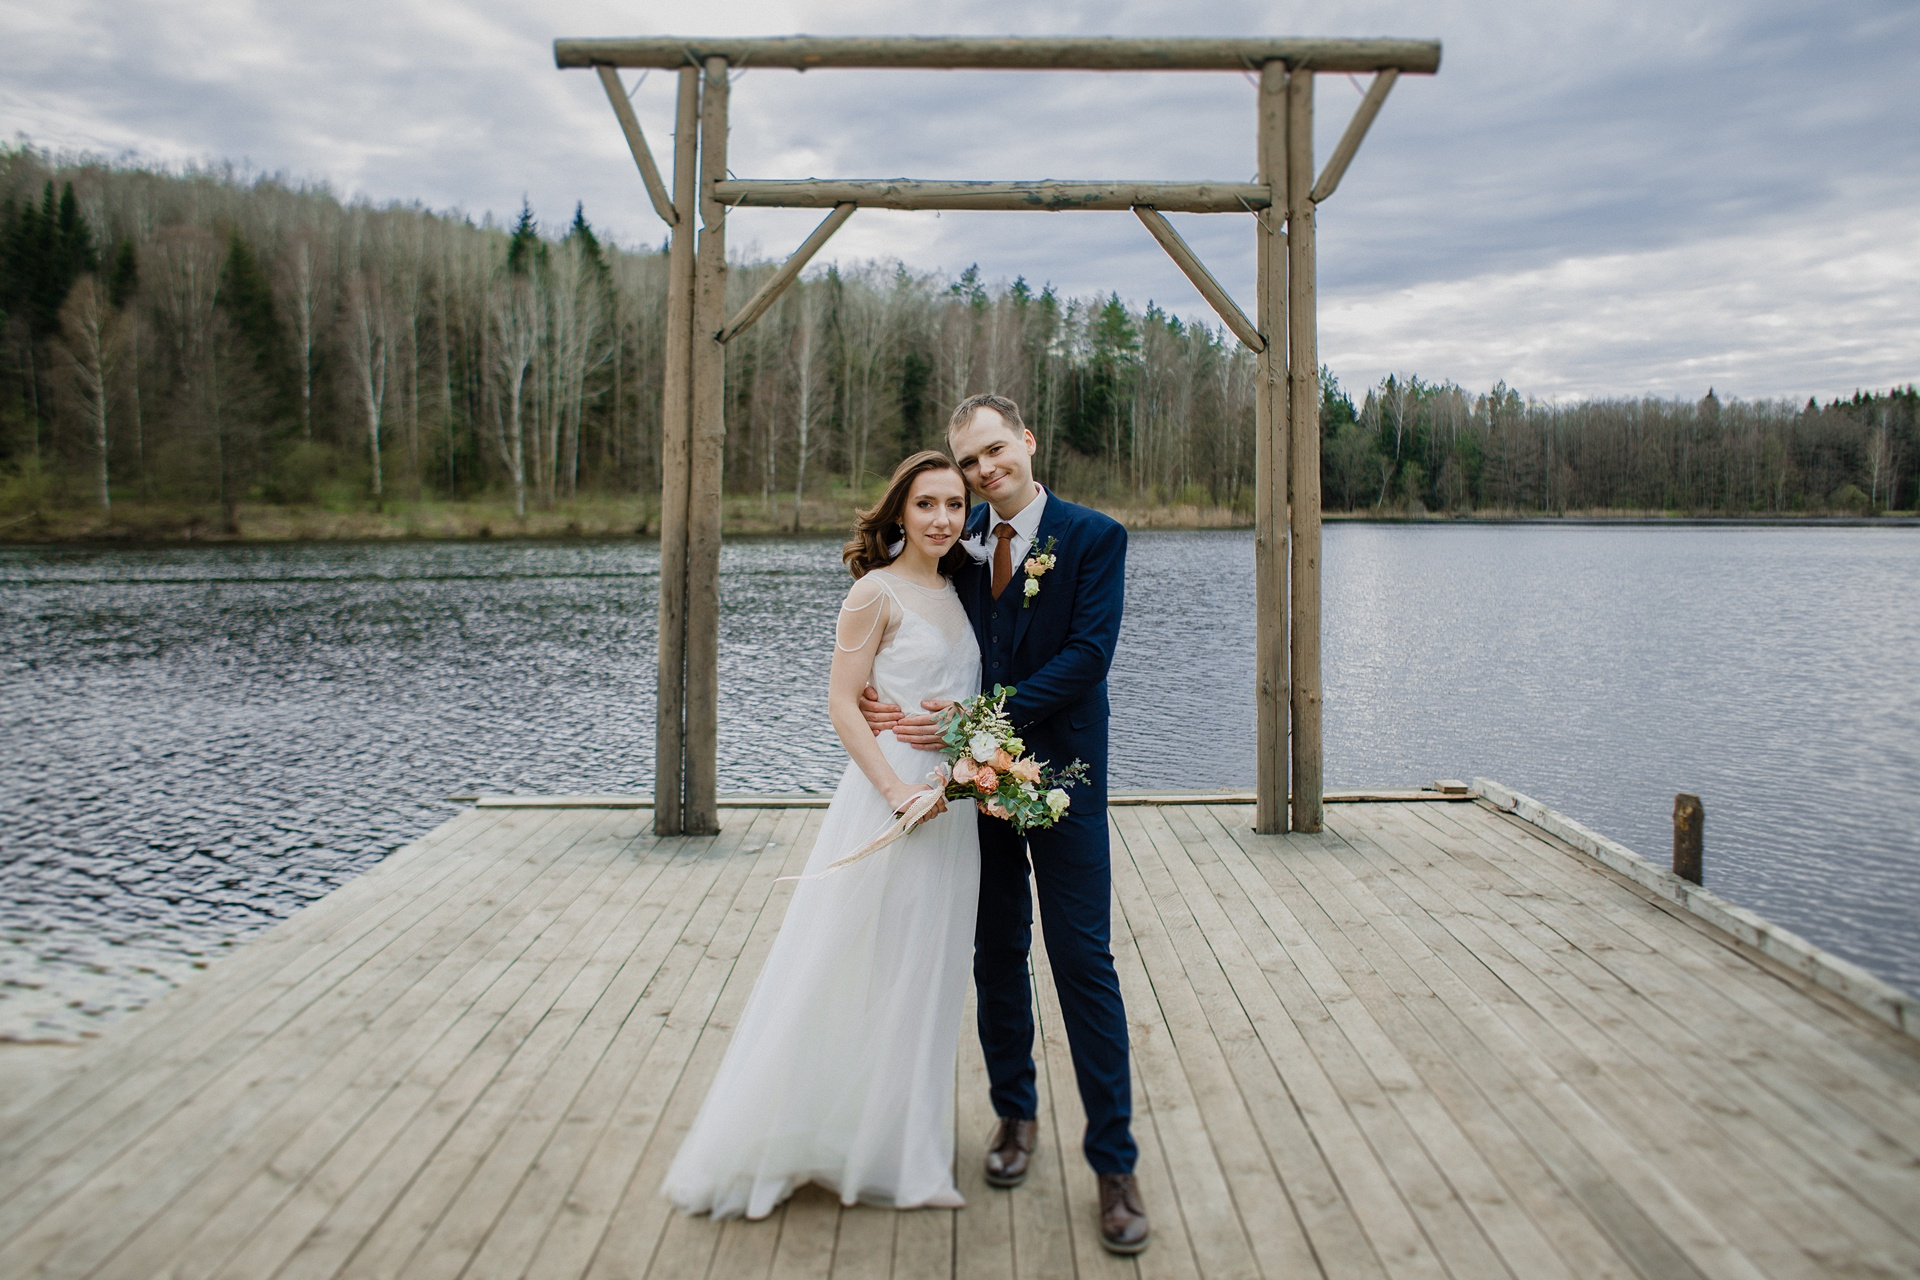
{"points": [[1196, 270], [637, 143], [789, 271], [1356, 130]]}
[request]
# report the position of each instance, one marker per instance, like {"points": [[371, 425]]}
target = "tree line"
{"points": [[206, 339]]}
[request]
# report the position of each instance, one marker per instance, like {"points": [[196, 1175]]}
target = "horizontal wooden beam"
{"points": [[637, 143], [1189, 262], [1006, 53], [1356, 131], [1046, 196], [789, 271]]}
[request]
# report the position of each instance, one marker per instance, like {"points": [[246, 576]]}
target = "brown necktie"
{"points": [[1002, 558]]}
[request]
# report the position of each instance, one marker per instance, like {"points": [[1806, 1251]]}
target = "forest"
{"points": [[191, 348]]}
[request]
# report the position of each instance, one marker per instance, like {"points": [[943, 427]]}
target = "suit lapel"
{"points": [[1052, 519], [979, 591]]}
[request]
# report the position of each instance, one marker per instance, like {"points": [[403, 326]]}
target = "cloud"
{"points": [[1577, 179]]}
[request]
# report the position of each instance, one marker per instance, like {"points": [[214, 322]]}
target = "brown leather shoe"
{"points": [[1123, 1218], [1010, 1154]]}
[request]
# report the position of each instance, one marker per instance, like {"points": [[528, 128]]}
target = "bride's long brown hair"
{"points": [[880, 524]]}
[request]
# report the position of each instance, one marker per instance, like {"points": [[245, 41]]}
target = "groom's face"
{"points": [[996, 460]]}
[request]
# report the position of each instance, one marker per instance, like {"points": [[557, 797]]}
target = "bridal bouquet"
{"points": [[987, 762]]}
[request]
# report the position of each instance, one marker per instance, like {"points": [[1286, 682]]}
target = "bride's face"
{"points": [[936, 512]]}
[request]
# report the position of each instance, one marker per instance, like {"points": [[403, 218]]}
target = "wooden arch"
{"points": [[1282, 333]]}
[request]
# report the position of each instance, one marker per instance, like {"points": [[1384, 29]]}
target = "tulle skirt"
{"points": [[841, 1069]]}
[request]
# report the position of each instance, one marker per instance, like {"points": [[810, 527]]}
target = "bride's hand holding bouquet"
{"points": [[988, 762]]}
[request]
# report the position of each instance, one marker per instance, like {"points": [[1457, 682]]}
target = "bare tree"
{"points": [[370, 341], [515, 335], [90, 333]]}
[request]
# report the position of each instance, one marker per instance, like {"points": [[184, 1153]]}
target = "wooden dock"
{"points": [[1432, 1041]]}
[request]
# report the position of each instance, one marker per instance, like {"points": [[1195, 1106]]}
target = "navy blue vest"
{"points": [[997, 656]]}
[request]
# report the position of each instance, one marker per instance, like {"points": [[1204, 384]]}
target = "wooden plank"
{"points": [[1196, 271], [1674, 1229], [1270, 437], [233, 982], [321, 1124], [685, 1243], [1371, 795], [1029, 53], [116, 1118], [221, 1102], [674, 1010], [1530, 1222], [638, 1221], [864, 1248], [1303, 459], [1376, 97], [250, 1180], [676, 444], [1221, 1047], [350, 1134], [923, 1243], [1194, 1103], [1503, 1066], [983, 1232], [1794, 1146], [769, 293], [809, 1224], [355, 1207], [1781, 1012], [1043, 196], [541, 1194], [454, 1198], [637, 144], [1776, 1227], [1075, 1215], [648, 981], [705, 467]]}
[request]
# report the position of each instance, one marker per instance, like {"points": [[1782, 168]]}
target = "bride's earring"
{"points": [[898, 542]]}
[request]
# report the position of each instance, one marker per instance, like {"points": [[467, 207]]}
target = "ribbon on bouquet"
{"points": [[917, 811]]}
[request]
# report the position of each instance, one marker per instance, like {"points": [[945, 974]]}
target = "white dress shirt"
{"points": [[1026, 526]]}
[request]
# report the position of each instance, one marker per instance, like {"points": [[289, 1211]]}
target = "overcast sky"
{"points": [[1593, 197]]}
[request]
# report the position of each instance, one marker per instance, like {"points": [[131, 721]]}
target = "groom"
{"points": [[1051, 635]]}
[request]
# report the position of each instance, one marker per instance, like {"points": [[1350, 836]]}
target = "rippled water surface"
{"points": [[199, 741]]}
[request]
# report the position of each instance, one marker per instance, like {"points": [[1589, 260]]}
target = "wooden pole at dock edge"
{"points": [[670, 710], [701, 812], [1270, 466], [1689, 838], [1303, 488]]}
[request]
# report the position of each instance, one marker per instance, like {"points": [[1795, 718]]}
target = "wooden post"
{"points": [[670, 712], [701, 813], [1189, 262], [1689, 838], [637, 143], [1270, 468], [1303, 451]]}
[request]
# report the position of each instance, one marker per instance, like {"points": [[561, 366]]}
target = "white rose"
{"points": [[981, 746], [1032, 588], [1057, 801]]}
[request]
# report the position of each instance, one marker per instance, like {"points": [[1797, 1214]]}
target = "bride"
{"points": [[841, 1069]]}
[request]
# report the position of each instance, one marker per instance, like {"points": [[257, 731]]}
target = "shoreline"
{"points": [[605, 520]]}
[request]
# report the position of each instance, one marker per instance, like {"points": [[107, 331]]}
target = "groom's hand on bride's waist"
{"points": [[916, 730]]}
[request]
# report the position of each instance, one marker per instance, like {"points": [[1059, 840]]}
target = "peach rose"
{"points": [[1001, 761], [964, 770], [986, 780], [1028, 771], [995, 809]]}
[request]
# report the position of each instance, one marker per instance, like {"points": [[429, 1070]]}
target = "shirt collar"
{"points": [[1027, 523]]}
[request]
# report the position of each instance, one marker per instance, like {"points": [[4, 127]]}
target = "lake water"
{"points": [[197, 741]]}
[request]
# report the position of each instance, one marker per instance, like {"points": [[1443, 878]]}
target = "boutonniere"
{"points": [[1036, 566]]}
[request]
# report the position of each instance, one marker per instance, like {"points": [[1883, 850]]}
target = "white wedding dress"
{"points": [[841, 1068]]}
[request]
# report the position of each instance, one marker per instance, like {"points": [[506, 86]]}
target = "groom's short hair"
{"points": [[964, 411]]}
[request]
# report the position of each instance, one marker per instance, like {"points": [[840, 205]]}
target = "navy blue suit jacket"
{"points": [[1064, 639]]}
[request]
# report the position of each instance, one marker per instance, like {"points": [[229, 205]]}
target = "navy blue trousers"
{"points": [[1073, 881]]}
